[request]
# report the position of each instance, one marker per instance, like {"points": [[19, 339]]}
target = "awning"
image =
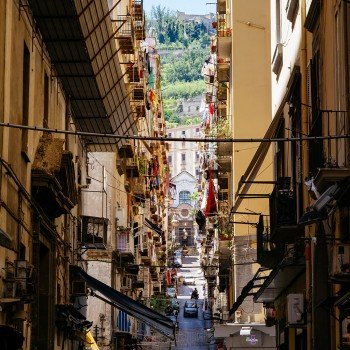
{"points": [[91, 341], [153, 227], [72, 322], [80, 38], [150, 317], [282, 276], [255, 164]]}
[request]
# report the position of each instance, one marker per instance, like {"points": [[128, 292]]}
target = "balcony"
{"points": [[222, 109], [132, 168], [139, 29], [125, 246], [94, 232], [268, 255], [222, 93], [138, 284], [138, 188], [137, 94], [326, 177], [210, 272], [133, 74], [225, 162], [221, 6], [126, 150], [123, 27], [137, 9], [145, 253], [139, 110], [153, 270], [224, 40], [138, 19], [223, 72], [53, 181], [283, 218]]}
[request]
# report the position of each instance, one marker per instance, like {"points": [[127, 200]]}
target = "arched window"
{"points": [[184, 197]]}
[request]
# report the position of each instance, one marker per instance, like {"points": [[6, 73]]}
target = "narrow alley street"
{"points": [[192, 332], [174, 175]]}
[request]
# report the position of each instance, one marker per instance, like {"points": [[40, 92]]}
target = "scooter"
{"points": [[194, 296]]}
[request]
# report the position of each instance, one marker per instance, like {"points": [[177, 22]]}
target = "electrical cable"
{"points": [[176, 139]]}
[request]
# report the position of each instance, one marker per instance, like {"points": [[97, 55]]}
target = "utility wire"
{"points": [[175, 139]]}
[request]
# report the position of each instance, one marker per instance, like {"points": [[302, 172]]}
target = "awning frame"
{"points": [[248, 178], [157, 321]]}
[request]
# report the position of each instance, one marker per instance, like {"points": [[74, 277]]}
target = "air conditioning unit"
{"points": [[120, 217], [341, 261], [295, 309], [79, 288]]}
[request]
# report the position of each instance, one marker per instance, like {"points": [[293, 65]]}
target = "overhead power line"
{"points": [[175, 139]]}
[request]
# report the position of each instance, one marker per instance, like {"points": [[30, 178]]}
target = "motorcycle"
{"points": [[194, 295]]}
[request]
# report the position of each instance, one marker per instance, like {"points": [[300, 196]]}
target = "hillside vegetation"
{"points": [[185, 47]]}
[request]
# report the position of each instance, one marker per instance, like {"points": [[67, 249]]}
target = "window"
{"points": [[183, 133], [25, 100], [197, 156], [184, 197], [183, 157], [170, 159], [169, 134], [46, 101], [278, 21], [197, 129]]}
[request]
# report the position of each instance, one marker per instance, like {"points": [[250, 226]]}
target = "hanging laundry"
{"points": [[211, 207], [211, 108]]}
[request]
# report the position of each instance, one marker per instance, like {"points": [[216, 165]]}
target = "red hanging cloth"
{"points": [[211, 109], [211, 207]]}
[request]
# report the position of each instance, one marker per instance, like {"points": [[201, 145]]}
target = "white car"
{"points": [[189, 281], [171, 292]]}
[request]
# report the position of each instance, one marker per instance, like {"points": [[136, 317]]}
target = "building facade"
{"points": [[74, 197], [287, 198], [184, 156]]}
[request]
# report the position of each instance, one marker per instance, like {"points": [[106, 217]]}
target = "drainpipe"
{"points": [[305, 167]]}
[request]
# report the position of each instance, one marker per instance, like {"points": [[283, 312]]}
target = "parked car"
{"points": [[171, 292], [190, 308]]}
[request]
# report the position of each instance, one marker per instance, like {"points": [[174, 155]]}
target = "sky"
{"points": [[192, 7]]}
